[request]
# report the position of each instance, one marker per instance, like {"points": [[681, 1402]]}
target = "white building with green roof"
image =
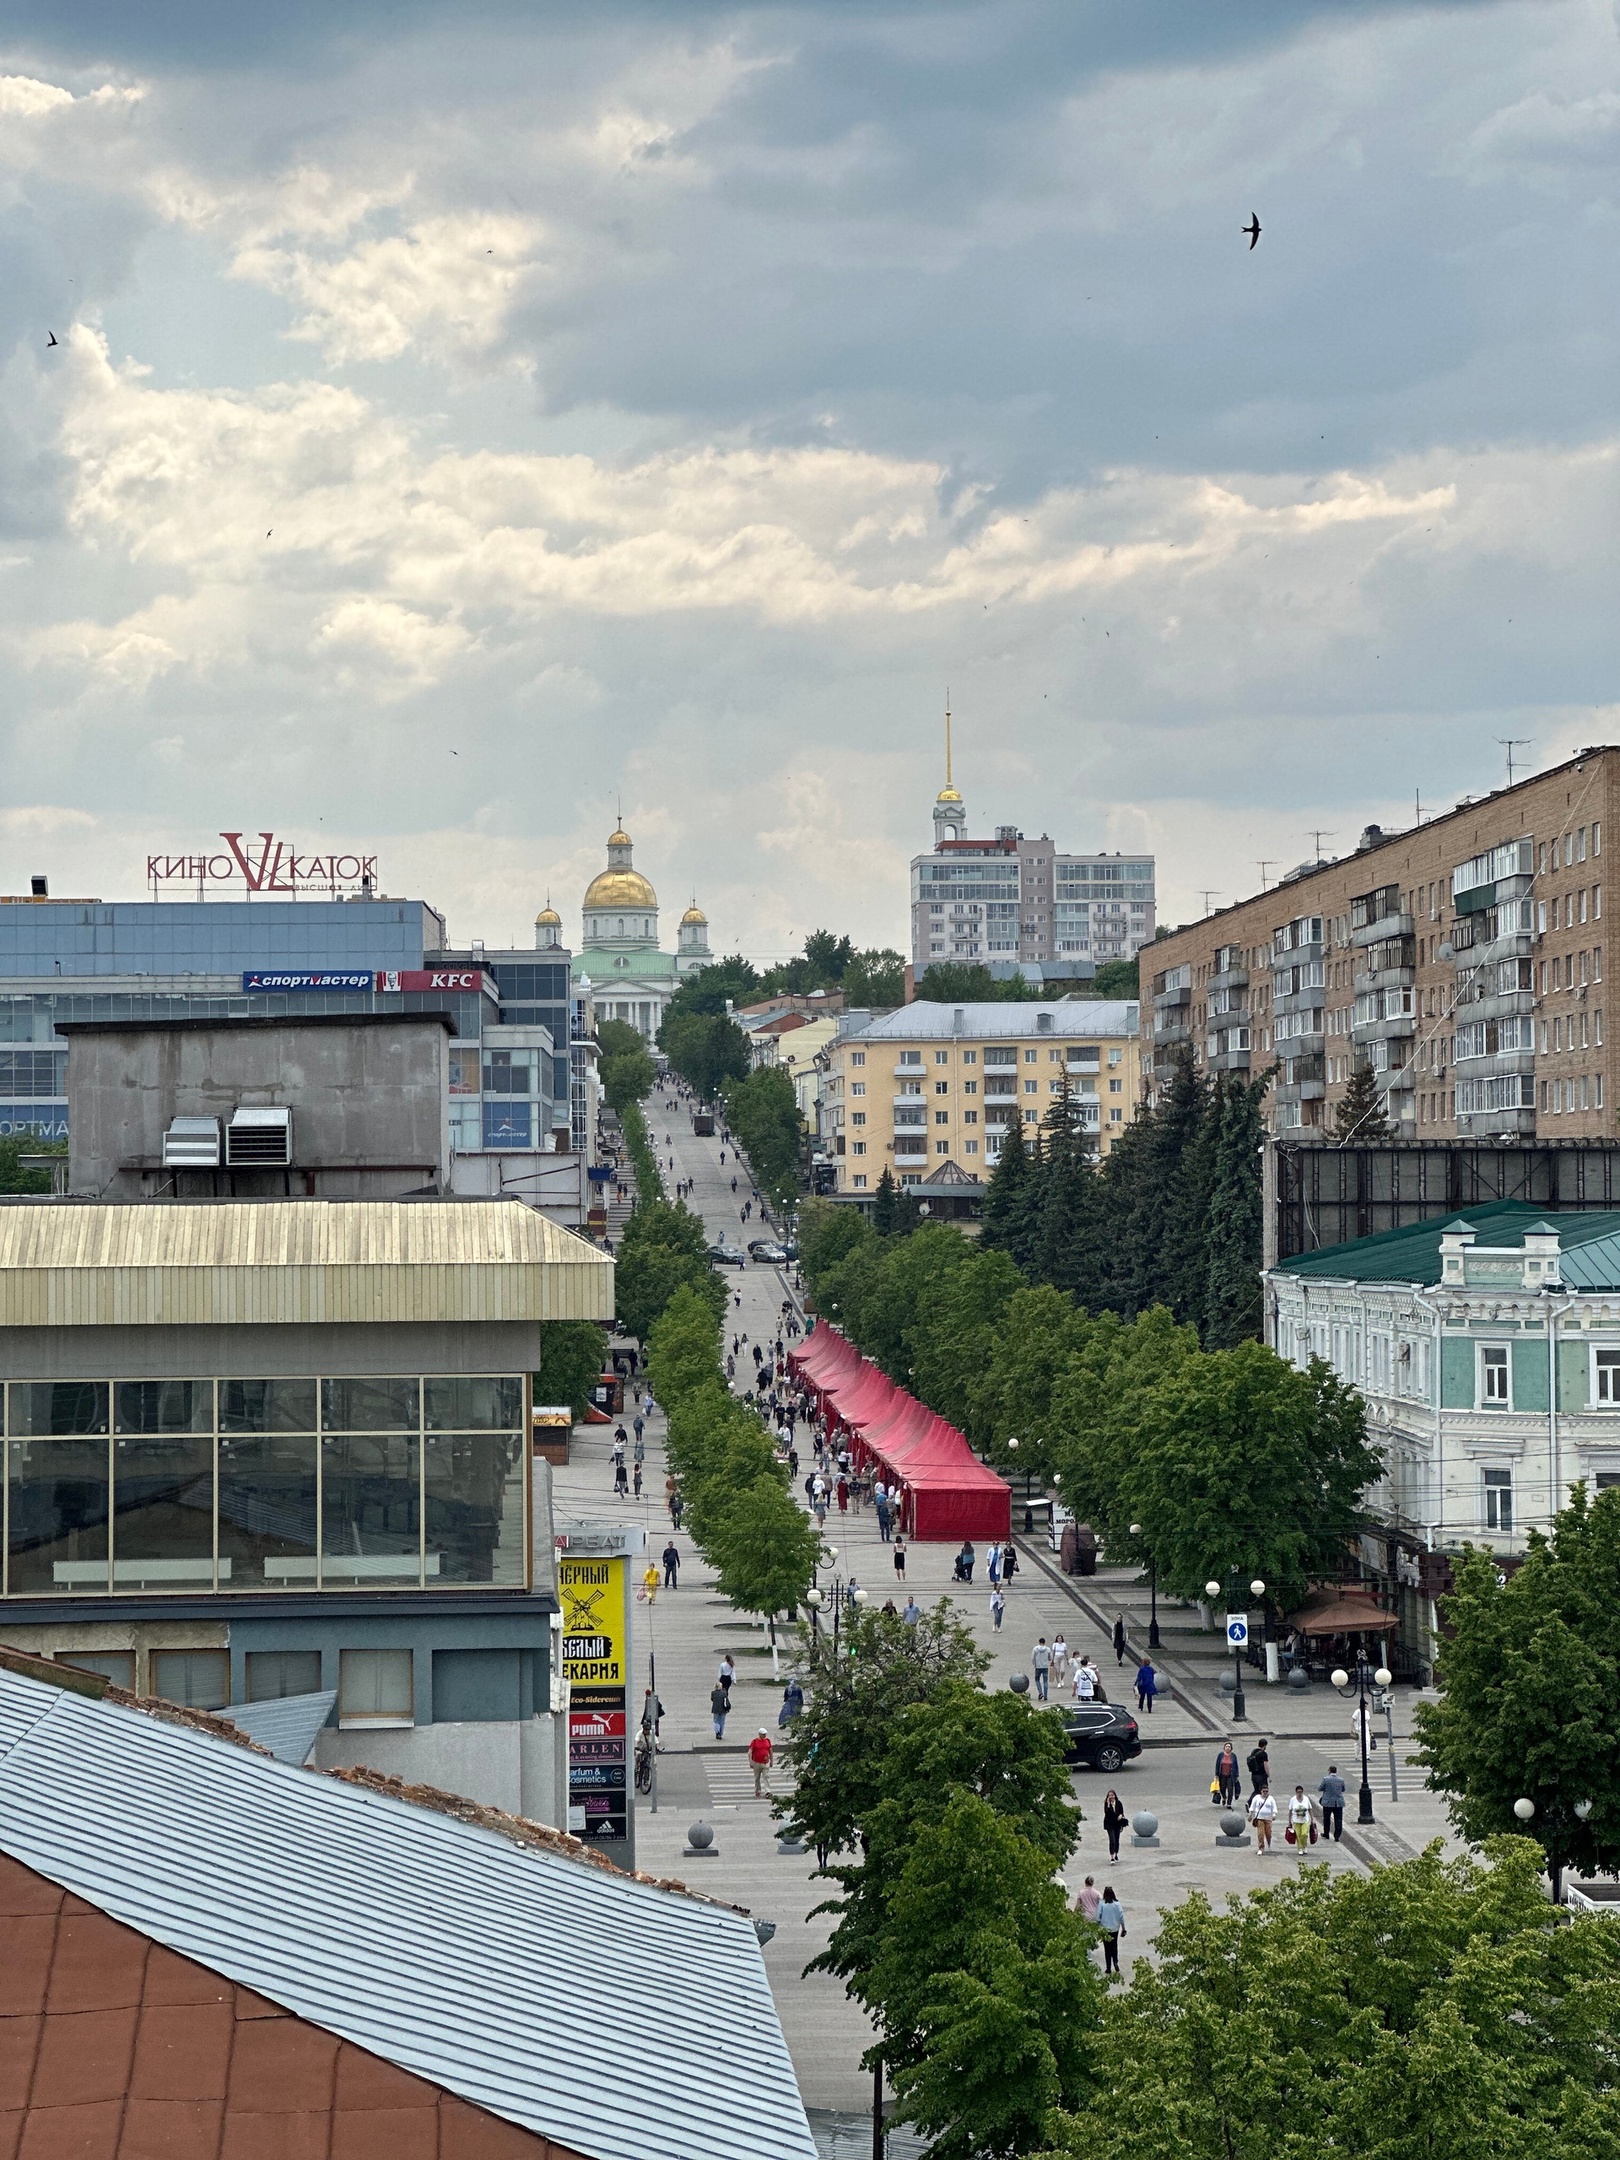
{"points": [[619, 965], [1449, 1329]]}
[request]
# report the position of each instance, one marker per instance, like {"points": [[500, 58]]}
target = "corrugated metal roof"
{"points": [[69, 1264], [286, 1725], [623, 2021], [1099, 1018], [1589, 1246]]}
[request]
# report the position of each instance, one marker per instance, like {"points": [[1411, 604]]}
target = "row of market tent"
{"points": [[947, 1493]]}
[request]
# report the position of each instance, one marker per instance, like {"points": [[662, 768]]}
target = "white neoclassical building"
{"points": [[619, 964]]}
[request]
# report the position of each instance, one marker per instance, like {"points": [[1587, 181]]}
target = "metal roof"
{"points": [[621, 2020], [1063, 1017], [68, 1263], [1589, 1246], [286, 1725]]}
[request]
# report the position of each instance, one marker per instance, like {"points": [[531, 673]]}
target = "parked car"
{"points": [[767, 1249], [723, 1255], [1100, 1736], [790, 1250]]}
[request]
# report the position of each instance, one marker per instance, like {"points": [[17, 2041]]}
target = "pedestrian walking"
{"points": [[1041, 1659], [641, 1427], [1147, 1686], [1060, 1660], [635, 1480], [880, 1504], [1331, 1794], [1088, 1899], [998, 1605], [1258, 1765], [1111, 1919], [1009, 1562], [719, 1709], [1114, 1821], [1085, 1681], [842, 1490], [792, 1701], [911, 1612], [1226, 1775], [672, 1565], [727, 1673], [621, 1481], [900, 1558], [761, 1754], [620, 1442], [1301, 1831], [1119, 1639], [649, 1582], [992, 1563], [1262, 1813]]}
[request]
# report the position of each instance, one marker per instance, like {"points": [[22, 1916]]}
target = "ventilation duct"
{"points": [[259, 1136], [191, 1143]]}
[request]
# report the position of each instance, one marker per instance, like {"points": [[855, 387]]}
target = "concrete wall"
{"points": [[202, 1353], [522, 1767], [373, 1092]]}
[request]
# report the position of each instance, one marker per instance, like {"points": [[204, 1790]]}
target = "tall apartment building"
{"points": [[933, 1085], [1462, 960], [1008, 898]]}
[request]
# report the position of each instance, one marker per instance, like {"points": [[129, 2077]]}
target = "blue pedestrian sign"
{"points": [[1237, 1631]]}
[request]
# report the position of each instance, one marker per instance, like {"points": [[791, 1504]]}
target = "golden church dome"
{"points": [[948, 794], [619, 889], [694, 914], [548, 918]]}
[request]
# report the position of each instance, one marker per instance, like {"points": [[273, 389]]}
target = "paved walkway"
{"points": [[687, 1630]]}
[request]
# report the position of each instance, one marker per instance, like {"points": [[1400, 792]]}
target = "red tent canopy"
{"points": [[947, 1493]]}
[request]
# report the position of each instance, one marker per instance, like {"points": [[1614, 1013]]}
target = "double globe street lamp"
{"points": [[1557, 1822], [1239, 1641], [1361, 1685], [1153, 1593]]}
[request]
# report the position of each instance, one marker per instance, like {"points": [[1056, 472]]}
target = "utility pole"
{"points": [[1510, 743], [1319, 836]]}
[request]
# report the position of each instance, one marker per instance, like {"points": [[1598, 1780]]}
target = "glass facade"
{"points": [[137, 1486]]}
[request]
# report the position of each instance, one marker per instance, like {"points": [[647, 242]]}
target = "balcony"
{"points": [[1236, 978], [1387, 926], [1166, 1000]]}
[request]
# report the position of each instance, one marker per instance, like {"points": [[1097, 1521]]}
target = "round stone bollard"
{"points": [[1298, 1679], [1228, 1682], [700, 1843], [1144, 1828], [1019, 1683], [1234, 1830]]}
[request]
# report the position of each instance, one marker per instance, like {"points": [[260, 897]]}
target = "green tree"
{"points": [[953, 1337], [1065, 1230], [1242, 1466], [1003, 1196], [1425, 2012], [13, 1177], [826, 1233], [1361, 1120], [572, 1355], [1529, 1679], [627, 1078], [643, 1162], [683, 1347], [1029, 1355], [875, 980], [883, 1199], [1096, 1408], [663, 1250], [1233, 1310], [837, 1744], [706, 1049], [958, 982], [1116, 979], [712, 989], [765, 1548], [617, 1038], [763, 1113]]}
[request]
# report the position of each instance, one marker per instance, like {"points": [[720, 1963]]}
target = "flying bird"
{"points": [[1252, 229], [50, 340]]}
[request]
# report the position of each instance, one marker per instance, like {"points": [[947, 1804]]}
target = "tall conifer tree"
{"points": [[1002, 1193]]}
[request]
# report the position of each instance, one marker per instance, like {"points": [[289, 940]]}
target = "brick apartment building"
{"points": [[1463, 960]]}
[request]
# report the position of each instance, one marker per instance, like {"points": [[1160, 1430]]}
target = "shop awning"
{"points": [[1352, 1613]]}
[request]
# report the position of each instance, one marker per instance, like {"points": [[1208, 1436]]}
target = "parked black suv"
{"points": [[1101, 1736]]}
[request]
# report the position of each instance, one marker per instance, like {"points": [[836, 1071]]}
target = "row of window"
{"points": [[375, 1687]]}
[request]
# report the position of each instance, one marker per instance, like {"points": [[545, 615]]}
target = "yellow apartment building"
{"points": [[932, 1087]]}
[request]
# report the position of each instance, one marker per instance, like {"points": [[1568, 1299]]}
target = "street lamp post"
{"points": [[1360, 1685], [1257, 1589], [1153, 1593], [1557, 1823]]}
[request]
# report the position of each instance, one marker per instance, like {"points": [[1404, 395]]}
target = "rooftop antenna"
{"points": [[948, 780], [1510, 743], [1263, 863], [1209, 892], [1417, 803], [1319, 836]]}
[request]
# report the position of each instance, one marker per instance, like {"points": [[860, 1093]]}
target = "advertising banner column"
{"points": [[594, 1585]]}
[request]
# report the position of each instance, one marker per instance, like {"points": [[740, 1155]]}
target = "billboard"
{"points": [[435, 979], [265, 864], [44, 1120], [594, 1590], [309, 978]]}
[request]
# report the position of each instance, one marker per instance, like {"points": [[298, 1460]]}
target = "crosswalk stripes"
{"points": [[734, 1779]]}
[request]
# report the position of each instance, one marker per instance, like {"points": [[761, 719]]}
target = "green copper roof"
{"points": [[1589, 1246]]}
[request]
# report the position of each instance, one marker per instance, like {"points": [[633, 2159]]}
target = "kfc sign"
{"points": [[266, 865], [435, 979]]}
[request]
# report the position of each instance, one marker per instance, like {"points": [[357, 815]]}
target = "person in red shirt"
{"points": [[761, 1754]]}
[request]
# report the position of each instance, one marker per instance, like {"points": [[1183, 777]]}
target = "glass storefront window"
{"points": [[267, 1406], [165, 1406], [57, 1406], [163, 1511], [463, 1405], [197, 1679], [474, 1508], [370, 1405], [267, 1500], [57, 1510], [371, 1508]]}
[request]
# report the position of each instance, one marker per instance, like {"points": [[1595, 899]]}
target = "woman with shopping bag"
{"points": [[1301, 1831]]}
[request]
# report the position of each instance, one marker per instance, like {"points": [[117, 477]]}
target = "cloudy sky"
{"points": [[462, 416]]}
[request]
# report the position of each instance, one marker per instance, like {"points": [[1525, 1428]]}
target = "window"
{"points": [[1115, 1056], [1032, 1087], [942, 1057], [1116, 1087], [970, 1057], [971, 1147], [942, 1117], [970, 1087], [857, 1117], [911, 1058], [196, 1679], [857, 1057], [857, 1087], [859, 1181], [272, 1674], [859, 1149], [1499, 1500], [1493, 1375], [376, 1687], [942, 1087], [507, 1124], [970, 1117], [1030, 1056], [1116, 1117], [118, 1666], [1606, 1377], [942, 1147]]}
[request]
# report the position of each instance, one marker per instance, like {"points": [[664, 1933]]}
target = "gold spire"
{"points": [[948, 793]]}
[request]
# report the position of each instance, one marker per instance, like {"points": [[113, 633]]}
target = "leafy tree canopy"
{"points": [[763, 1113], [13, 1177], [1116, 979], [958, 982], [732, 980], [1361, 1120], [572, 1355], [765, 1547], [706, 1049], [1529, 1679]]}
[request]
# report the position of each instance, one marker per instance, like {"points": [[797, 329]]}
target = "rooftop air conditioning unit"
{"points": [[191, 1143], [259, 1137]]}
